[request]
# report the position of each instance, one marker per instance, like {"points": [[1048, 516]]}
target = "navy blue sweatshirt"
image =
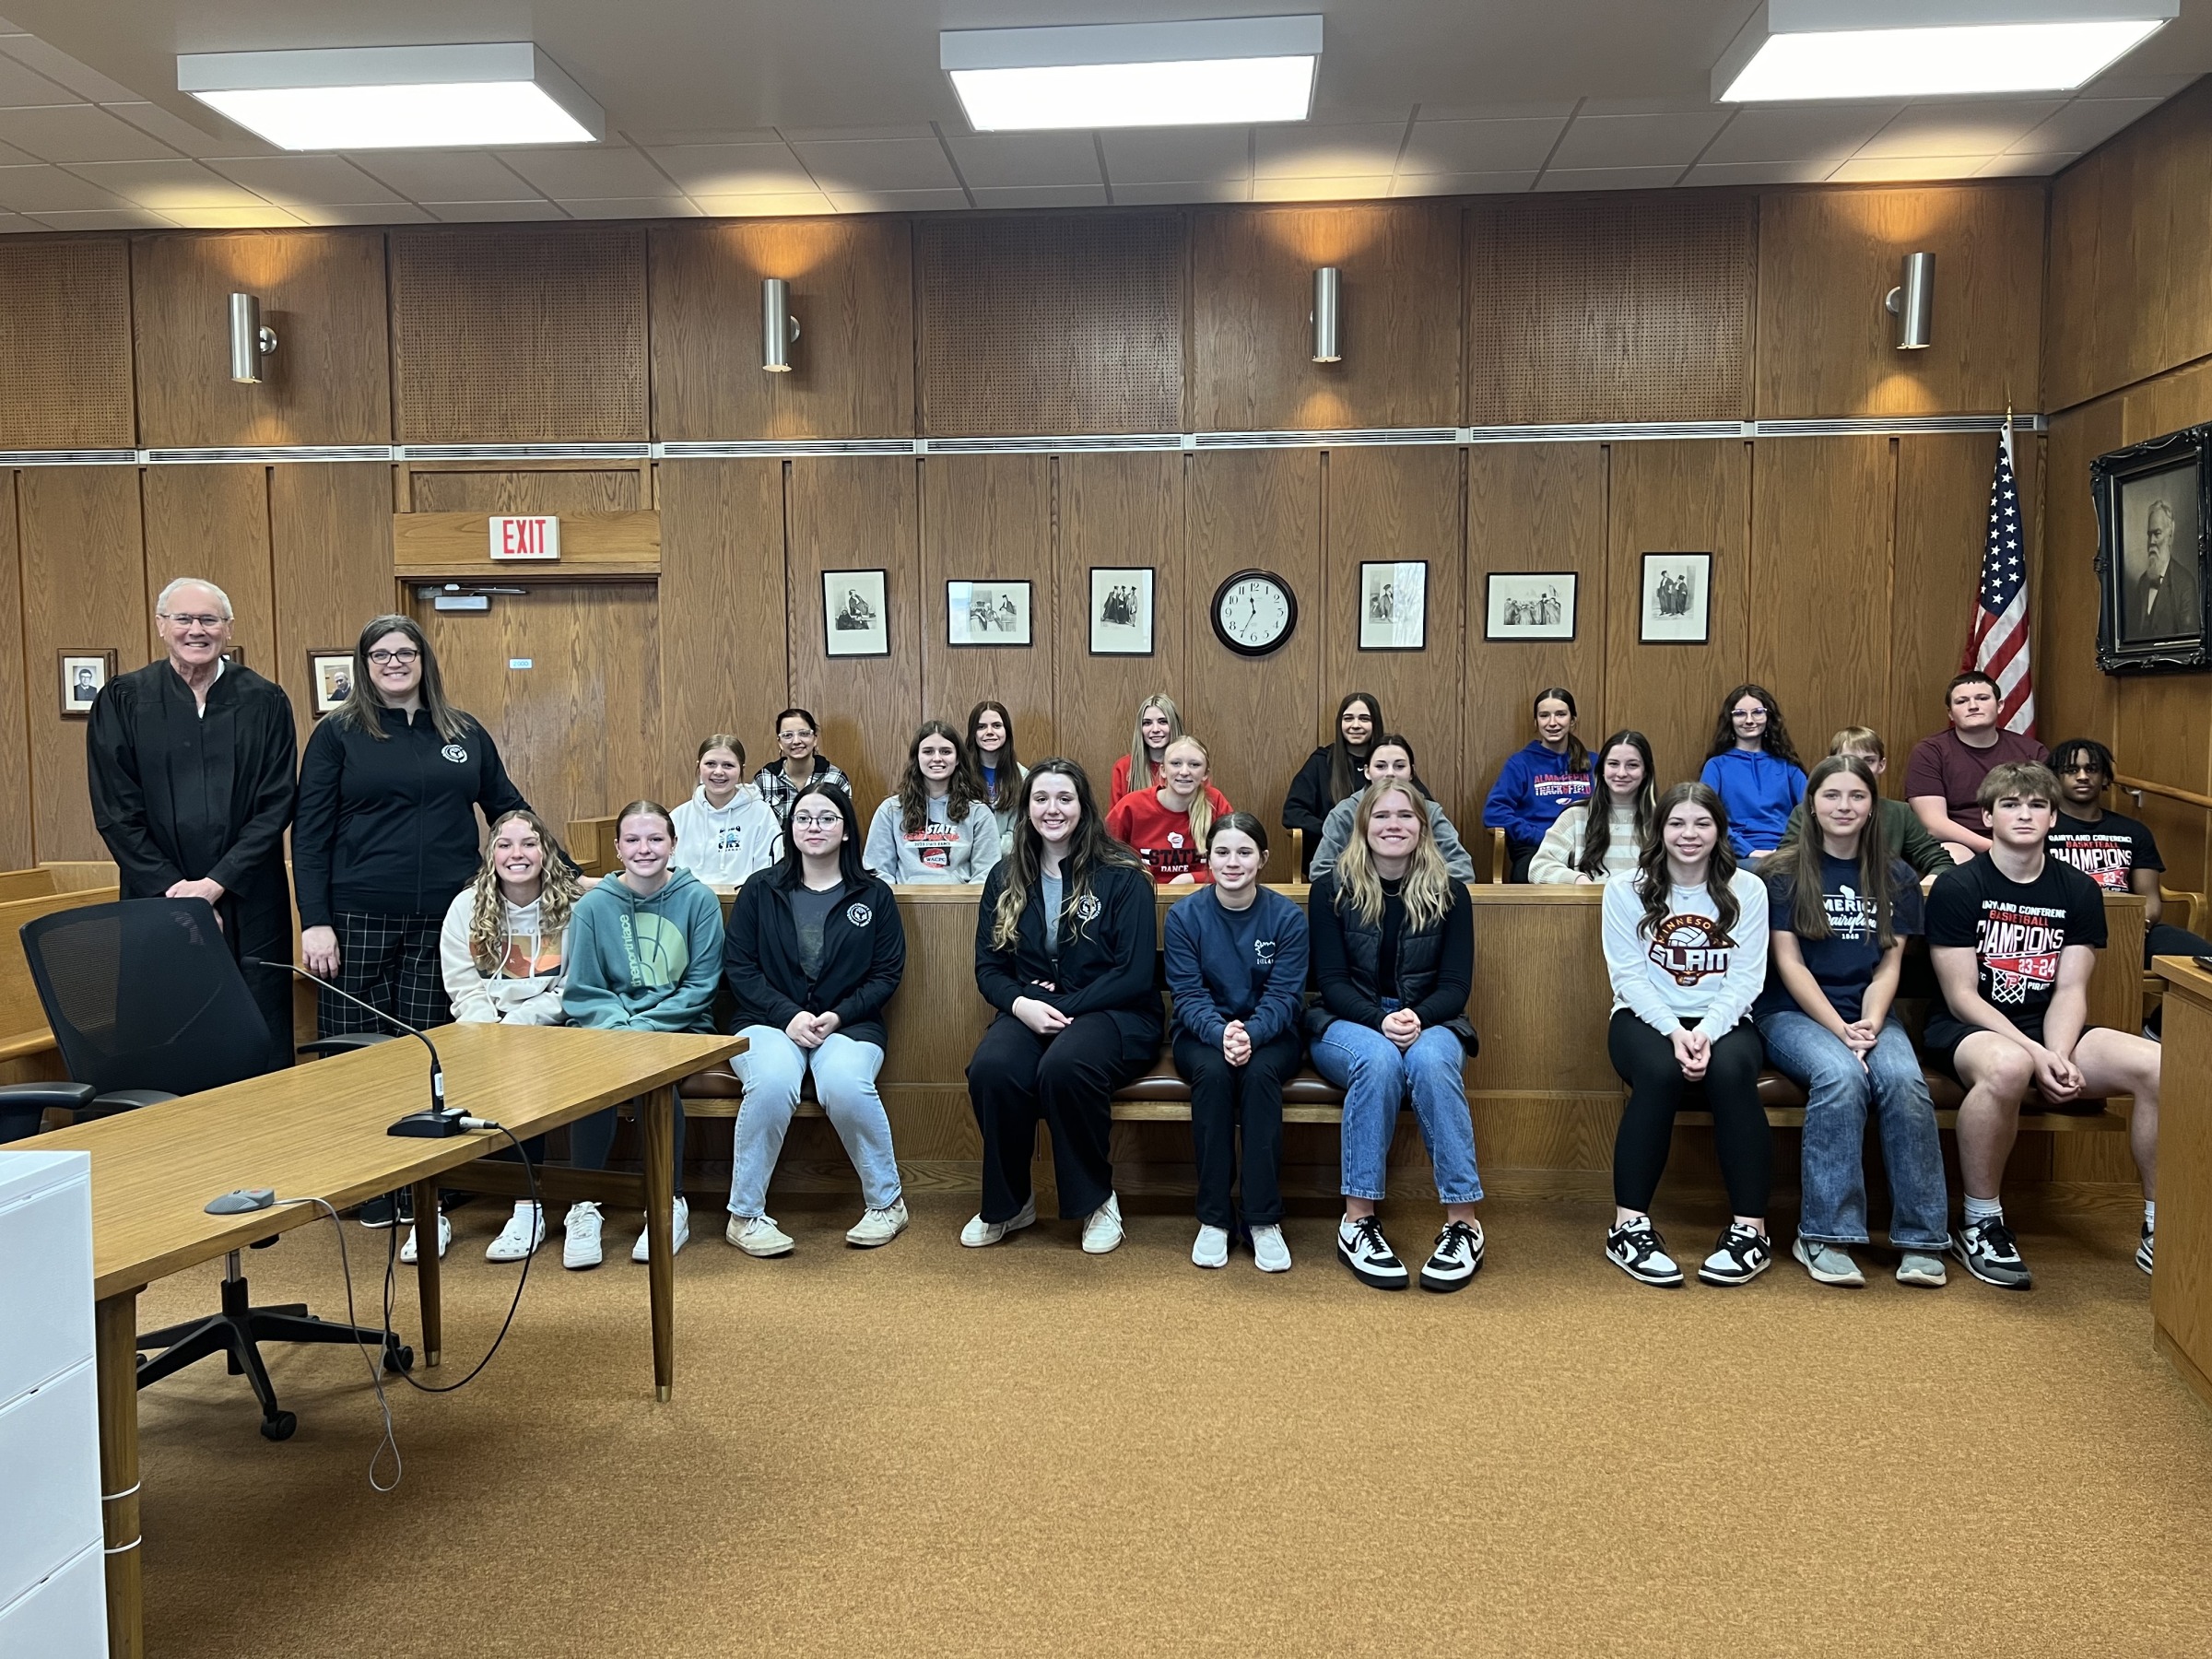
{"points": [[1247, 965], [1533, 787]]}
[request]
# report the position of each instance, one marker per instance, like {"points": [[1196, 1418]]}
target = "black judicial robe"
{"points": [[183, 796]]}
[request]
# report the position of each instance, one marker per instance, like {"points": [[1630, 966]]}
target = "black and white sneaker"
{"points": [[1636, 1248], [1457, 1259], [1742, 1254], [1361, 1247], [1990, 1254], [378, 1212], [2143, 1248]]}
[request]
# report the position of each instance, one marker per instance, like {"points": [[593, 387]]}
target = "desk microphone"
{"points": [[440, 1120]]}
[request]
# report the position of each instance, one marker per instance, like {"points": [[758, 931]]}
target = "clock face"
{"points": [[1254, 612]]}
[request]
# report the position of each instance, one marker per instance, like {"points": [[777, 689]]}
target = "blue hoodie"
{"points": [[1533, 788], [1760, 792], [644, 964]]}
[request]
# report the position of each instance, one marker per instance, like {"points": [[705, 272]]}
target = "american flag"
{"points": [[1997, 644]]}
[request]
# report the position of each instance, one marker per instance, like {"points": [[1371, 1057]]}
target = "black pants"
{"points": [[1223, 1095], [1518, 856], [591, 1141], [391, 963], [1067, 1080], [1646, 1062]]}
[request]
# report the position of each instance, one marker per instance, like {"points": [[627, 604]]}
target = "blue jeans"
{"points": [[1376, 1078], [772, 1069], [1838, 1089]]}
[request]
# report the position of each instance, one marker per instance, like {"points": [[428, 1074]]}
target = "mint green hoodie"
{"points": [[644, 964]]}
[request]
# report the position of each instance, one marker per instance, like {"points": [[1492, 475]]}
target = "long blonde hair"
{"points": [[1202, 806], [556, 895], [1428, 890], [1140, 764]]}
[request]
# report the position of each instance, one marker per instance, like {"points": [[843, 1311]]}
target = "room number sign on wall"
{"points": [[526, 538]]}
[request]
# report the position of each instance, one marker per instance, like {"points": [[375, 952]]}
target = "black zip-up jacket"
{"points": [[389, 829], [1433, 973], [863, 955], [1109, 955], [1307, 806]]}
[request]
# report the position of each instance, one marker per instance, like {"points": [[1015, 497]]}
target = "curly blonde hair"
{"points": [[556, 895]]}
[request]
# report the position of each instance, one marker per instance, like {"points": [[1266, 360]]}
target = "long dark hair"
{"points": [[1655, 887], [1578, 758], [1800, 855], [1776, 741], [1007, 790], [792, 869], [1089, 850], [1397, 740], [1348, 766], [362, 709], [1597, 827], [960, 793]]}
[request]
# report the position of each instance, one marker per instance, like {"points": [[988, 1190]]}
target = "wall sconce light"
{"points": [[779, 328], [1328, 290], [1913, 304], [249, 341]]}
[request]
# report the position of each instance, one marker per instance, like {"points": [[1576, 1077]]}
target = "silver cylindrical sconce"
{"points": [[779, 328], [249, 342], [1913, 304], [1329, 291]]}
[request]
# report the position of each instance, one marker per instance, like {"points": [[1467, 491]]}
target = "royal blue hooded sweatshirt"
{"points": [[1533, 788], [1758, 791]]}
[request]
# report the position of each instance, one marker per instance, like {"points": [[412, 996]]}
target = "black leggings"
{"points": [[1068, 1080], [1223, 1095], [1646, 1062]]}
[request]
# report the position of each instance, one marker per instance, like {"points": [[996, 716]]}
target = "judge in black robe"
{"points": [[185, 797]]}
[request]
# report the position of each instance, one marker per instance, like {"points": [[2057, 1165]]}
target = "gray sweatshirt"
{"points": [[941, 852], [1336, 833]]}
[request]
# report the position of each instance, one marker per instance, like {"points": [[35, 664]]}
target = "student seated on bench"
{"points": [[2013, 933], [1908, 837], [1390, 761]]}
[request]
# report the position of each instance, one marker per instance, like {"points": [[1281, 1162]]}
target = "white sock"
{"points": [[2150, 1213], [1982, 1209]]}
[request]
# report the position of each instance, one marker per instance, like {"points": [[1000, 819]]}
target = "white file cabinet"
{"points": [[53, 1572]]}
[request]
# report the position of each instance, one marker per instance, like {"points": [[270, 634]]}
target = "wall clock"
{"points": [[1254, 612]]}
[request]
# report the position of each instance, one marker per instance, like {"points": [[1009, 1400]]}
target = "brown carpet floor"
{"points": [[1026, 1450]]}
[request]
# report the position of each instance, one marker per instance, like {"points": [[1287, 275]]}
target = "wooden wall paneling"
{"points": [[516, 333], [724, 651], [2073, 322], [1674, 498], [554, 489], [1258, 716], [1531, 507], [2165, 403], [84, 587], [65, 344], [1398, 504], [857, 513], [2163, 736], [2071, 697], [1615, 307], [989, 516], [1118, 512], [17, 849], [1252, 293], [1826, 345], [213, 521], [322, 291], [330, 543], [851, 290], [1821, 519]]}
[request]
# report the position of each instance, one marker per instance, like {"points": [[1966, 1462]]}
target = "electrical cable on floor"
{"points": [[436, 1231], [376, 1372]]}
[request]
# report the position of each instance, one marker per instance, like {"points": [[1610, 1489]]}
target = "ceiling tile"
{"points": [[1001, 160], [1761, 173], [896, 201], [1900, 170], [79, 133], [368, 213], [2022, 166], [11, 223], [801, 134], [10, 156], [704, 170], [188, 137], [1352, 187], [594, 173], [1640, 141], [653, 138], [1462, 184], [444, 175], [21, 84], [1691, 105], [105, 219], [1155, 194], [1556, 110], [1041, 195], [58, 66], [230, 218], [1328, 152], [1608, 178], [2137, 86], [49, 189], [878, 164], [2083, 125], [327, 181], [166, 186], [769, 205], [1474, 147], [1958, 129], [1799, 131], [1162, 156], [467, 213], [638, 208]]}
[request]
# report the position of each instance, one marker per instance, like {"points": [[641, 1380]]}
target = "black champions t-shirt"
{"points": [[2108, 851], [2018, 932]]}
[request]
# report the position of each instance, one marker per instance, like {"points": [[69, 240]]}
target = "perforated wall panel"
{"points": [[66, 345]]}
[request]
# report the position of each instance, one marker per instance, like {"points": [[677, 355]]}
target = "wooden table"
{"points": [[2181, 1292], [319, 1131]]}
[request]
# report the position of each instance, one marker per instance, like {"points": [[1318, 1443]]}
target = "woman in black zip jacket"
{"points": [[812, 950], [1066, 947]]}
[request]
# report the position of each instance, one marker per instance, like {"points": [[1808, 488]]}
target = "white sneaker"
{"points": [[979, 1232], [877, 1226], [445, 1241], [679, 1234], [579, 1243], [1103, 1228], [1210, 1251], [1269, 1253], [525, 1231], [758, 1236]]}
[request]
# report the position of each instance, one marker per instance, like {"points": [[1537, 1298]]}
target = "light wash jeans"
{"points": [[1376, 1078], [772, 1069], [1838, 1090]]}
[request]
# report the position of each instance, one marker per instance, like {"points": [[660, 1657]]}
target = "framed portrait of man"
{"points": [[2152, 516]]}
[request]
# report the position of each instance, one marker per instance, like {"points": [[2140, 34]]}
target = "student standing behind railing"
{"points": [[998, 772], [725, 830]]}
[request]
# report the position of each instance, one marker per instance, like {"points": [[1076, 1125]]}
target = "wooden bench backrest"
{"points": [[23, 1028], [592, 845], [24, 884]]}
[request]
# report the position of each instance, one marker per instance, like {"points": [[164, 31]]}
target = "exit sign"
{"points": [[526, 538]]}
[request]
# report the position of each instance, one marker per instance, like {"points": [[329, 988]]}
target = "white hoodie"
{"points": [[533, 970], [722, 845]]}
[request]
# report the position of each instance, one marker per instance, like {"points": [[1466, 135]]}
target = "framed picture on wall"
{"points": [[330, 678], [1121, 610], [83, 674], [1525, 604], [1677, 599], [1393, 606], [2153, 519], [855, 615], [987, 613]]}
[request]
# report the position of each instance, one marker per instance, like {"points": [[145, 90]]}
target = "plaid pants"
{"points": [[389, 962]]}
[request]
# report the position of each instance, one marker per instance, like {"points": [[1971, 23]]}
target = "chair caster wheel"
{"points": [[398, 1359], [278, 1427]]}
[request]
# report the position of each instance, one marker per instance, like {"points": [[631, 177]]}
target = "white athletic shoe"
{"points": [[1269, 1252], [758, 1236], [979, 1232], [679, 1234], [525, 1231], [579, 1243], [1103, 1228], [877, 1226], [445, 1241], [1210, 1251]]}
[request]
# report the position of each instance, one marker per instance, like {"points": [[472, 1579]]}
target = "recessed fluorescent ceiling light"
{"points": [[396, 96], [1810, 49], [1234, 71]]}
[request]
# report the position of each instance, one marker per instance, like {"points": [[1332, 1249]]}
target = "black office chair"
{"points": [[147, 1004]]}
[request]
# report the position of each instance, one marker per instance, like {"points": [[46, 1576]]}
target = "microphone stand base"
{"points": [[434, 1124]]}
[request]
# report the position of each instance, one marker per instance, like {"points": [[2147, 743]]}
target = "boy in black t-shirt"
{"points": [[2118, 852], [2013, 933]]}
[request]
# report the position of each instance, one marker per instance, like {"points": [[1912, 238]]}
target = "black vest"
{"points": [[1419, 954]]}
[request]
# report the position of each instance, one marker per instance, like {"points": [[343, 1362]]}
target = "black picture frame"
{"points": [[1000, 624], [1121, 598], [2165, 628], [1394, 605], [1503, 592], [848, 632], [1669, 578]]}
